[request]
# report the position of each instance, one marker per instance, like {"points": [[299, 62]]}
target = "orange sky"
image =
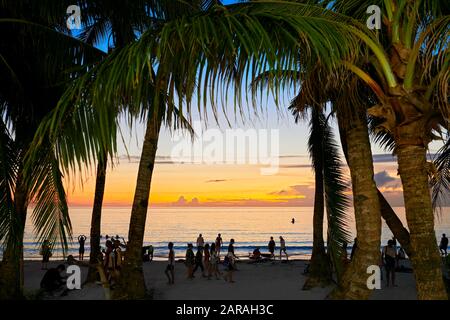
{"points": [[221, 185]]}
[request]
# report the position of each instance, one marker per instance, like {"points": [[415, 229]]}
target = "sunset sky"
{"points": [[200, 184], [177, 182]]}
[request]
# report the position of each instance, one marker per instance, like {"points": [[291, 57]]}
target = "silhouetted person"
{"points": [[389, 256], [200, 241], [190, 261], [283, 248], [199, 261], [170, 269], [52, 279], [81, 241], [46, 253], [272, 247], [443, 245]]}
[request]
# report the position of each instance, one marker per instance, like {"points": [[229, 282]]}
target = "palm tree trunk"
{"points": [[367, 212], [319, 269], [394, 224], [132, 283], [11, 270], [96, 218], [425, 257], [387, 213]]}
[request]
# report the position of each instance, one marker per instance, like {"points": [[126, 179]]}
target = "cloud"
{"points": [[215, 180], [302, 190], [183, 202]]}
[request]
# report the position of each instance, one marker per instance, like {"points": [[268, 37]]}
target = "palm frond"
{"points": [[440, 183], [50, 215], [324, 154], [9, 164]]}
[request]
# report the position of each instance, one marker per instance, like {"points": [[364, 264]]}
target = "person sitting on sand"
{"points": [[190, 261], [170, 269], [283, 248], [81, 241], [213, 262], [46, 253], [256, 255], [199, 261], [443, 245], [389, 257], [200, 241], [52, 279]]}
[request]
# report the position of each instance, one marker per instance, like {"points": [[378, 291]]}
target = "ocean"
{"points": [[250, 227]]}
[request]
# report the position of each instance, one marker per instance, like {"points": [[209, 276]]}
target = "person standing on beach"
{"points": [[200, 241], [206, 259], [272, 248], [190, 261], [46, 253], [213, 262], [443, 245], [229, 262], [283, 247], [170, 269], [199, 262], [81, 241], [389, 255], [219, 244]]}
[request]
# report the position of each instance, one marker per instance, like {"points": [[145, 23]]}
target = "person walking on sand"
{"points": [[206, 259], [200, 241], [219, 244], [443, 245], [214, 262], [81, 241], [230, 262], [190, 261], [389, 255], [46, 253], [170, 269], [283, 248], [199, 262], [272, 248]]}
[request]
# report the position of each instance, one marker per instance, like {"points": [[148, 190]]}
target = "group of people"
{"points": [[207, 258]]}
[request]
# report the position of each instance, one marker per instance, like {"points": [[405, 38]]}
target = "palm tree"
{"points": [[411, 58], [186, 55], [329, 188], [32, 55], [122, 21]]}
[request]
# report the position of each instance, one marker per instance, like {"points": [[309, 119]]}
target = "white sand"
{"points": [[265, 281]]}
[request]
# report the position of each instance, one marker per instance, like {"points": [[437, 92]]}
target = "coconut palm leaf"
{"points": [[324, 153], [440, 183], [50, 215], [9, 163]]}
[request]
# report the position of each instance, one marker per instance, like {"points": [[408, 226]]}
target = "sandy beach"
{"points": [[264, 281]]}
